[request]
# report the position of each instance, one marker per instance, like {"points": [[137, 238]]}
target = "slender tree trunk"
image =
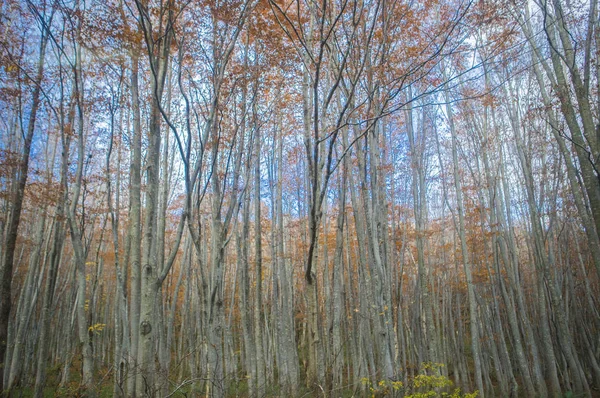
{"points": [[12, 228], [420, 209], [474, 322], [135, 226], [258, 328]]}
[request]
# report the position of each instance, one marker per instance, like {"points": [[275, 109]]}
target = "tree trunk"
{"points": [[12, 228]]}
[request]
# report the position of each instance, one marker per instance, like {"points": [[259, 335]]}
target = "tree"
{"points": [[18, 187]]}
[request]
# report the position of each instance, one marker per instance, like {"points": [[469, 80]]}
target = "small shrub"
{"points": [[429, 383]]}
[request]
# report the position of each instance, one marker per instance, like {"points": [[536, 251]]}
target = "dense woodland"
{"points": [[300, 198]]}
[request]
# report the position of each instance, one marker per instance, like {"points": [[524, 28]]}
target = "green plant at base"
{"points": [[429, 383]]}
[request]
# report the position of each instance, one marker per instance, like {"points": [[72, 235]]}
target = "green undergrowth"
{"points": [[428, 383]]}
